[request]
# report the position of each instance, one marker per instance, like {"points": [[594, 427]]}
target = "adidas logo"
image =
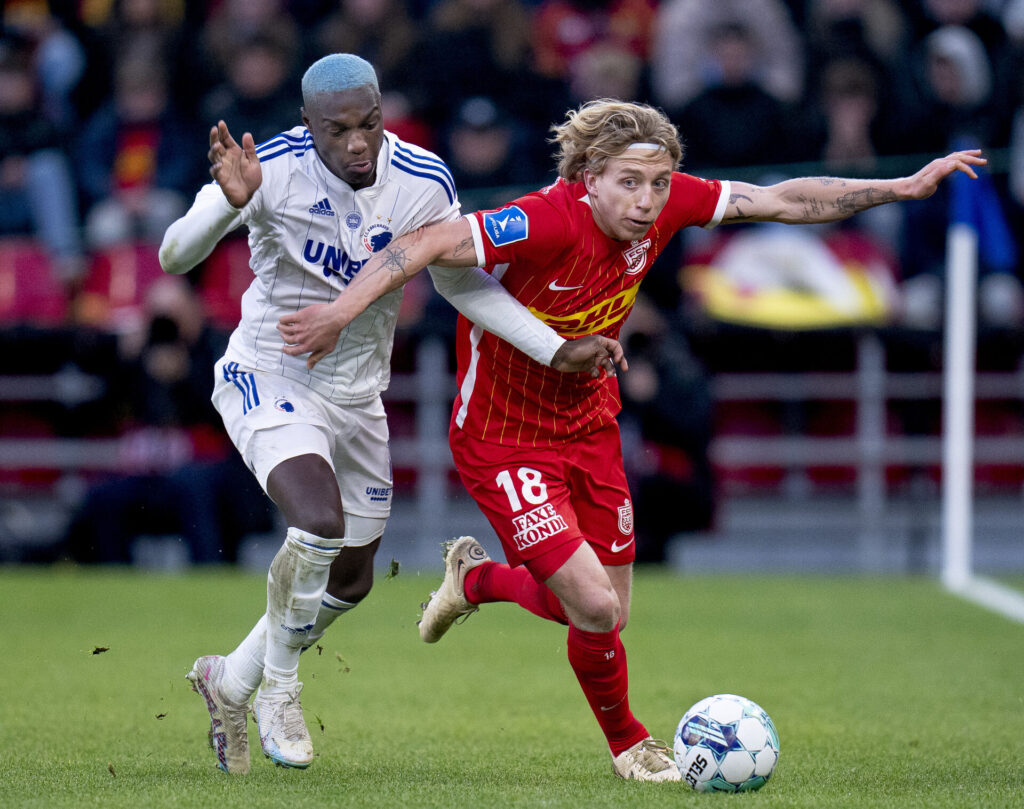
{"points": [[322, 208]]}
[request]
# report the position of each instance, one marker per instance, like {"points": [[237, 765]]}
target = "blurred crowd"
{"points": [[105, 107]]}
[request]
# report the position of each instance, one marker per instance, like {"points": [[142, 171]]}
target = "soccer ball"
{"points": [[726, 743]]}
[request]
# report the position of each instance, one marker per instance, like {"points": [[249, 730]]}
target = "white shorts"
{"points": [[271, 419]]}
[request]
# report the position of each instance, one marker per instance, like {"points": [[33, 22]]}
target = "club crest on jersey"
{"points": [[284, 405], [636, 256], [626, 518], [377, 237], [507, 226], [353, 219]]}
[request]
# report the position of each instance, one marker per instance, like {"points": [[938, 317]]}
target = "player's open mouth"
{"points": [[360, 168]]}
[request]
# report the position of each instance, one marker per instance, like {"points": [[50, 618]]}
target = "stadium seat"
{"points": [[116, 284], [29, 291], [223, 278]]}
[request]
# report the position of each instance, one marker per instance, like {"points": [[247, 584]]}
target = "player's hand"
{"points": [[594, 354], [235, 168], [925, 182], [313, 330]]}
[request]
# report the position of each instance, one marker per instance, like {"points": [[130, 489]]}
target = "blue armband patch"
{"points": [[506, 226]]}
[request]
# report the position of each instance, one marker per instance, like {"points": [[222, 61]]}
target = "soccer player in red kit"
{"points": [[539, 451]]}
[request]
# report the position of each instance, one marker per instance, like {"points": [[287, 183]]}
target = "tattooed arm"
{"points": [[810, 200], [316, 328]]}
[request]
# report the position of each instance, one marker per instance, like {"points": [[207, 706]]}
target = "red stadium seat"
{"points": [[29, 292], [225, 276], [116, 285]]}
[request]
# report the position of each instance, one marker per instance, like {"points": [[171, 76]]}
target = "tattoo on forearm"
{"points": [[855, 201], [466, 245], [734, 199], [395, 260]]}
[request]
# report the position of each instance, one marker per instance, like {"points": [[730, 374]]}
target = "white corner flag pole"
{"points": [[958, 406], [958, 420]]}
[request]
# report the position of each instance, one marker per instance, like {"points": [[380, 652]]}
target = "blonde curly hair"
{"points": [[604, 128]]}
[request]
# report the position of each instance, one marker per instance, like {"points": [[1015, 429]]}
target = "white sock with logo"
{"points": [[243, 668], [295, 587]]}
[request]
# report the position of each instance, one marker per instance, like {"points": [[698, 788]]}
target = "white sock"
{"points": [[295, 587], [243, 668], [330, 608]]}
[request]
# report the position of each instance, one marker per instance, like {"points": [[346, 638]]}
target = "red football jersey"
{"points": [[547, 250]]}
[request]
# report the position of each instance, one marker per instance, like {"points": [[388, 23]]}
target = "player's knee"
{"points": [[322, 521], [598, 611]]}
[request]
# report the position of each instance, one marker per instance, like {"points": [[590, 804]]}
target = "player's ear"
{"points": [[589, 180], [305, 118]]}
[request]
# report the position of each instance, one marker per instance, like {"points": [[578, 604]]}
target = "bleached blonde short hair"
{"points": [[605, 128]]}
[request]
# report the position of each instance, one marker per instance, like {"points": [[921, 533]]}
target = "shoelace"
{"points": [[285, 711], [654, 751], [294, 724]]}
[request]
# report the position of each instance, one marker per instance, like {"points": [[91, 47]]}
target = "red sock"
{"points": [[599, 660], [495, 581]]}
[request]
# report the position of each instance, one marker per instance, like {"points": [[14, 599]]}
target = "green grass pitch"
{"points": [[886, 693]]}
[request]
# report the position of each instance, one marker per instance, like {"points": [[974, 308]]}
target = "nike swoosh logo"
{"points": [[616, 547], [555, 287]]}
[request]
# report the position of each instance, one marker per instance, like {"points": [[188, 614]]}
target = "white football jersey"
{"points": [[309, 234]]}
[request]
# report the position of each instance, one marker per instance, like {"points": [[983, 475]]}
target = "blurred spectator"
{"points": [[956, 93], [708, 123], [929, 15], [957, 111], [491, 38], [381, 31], [405, 121], [150, 29], [233, 22], [681, 62], [483, 151], [58, 58], [848, 131], [37, 190], [179, 476], [607, 71], [258, 96], [565, 29], [874, 30], [873, 35], [133, 163], [666, 424]]}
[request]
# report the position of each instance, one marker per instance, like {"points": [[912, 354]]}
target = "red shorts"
{"points": [[544, 503]]}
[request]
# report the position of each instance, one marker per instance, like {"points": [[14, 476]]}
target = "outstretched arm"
{"points": [[315, 329], [216, 210], [811, 200]]}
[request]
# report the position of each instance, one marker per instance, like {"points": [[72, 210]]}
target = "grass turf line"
{"points": [[886, 693]]}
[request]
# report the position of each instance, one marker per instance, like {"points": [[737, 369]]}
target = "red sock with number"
{"points": [[599, 660], [495, 581]]}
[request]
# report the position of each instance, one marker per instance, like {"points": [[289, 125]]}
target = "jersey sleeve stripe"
{"points": [[478, 241], [436, 167], [424, 160], [723, 201], [448, 190]]}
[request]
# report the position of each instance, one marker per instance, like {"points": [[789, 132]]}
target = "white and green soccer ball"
{"points": [[726, 743]]}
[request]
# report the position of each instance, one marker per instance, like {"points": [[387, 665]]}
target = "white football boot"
{"points": [[449, 602], [283, 734], [647, 760], [229, 735]]}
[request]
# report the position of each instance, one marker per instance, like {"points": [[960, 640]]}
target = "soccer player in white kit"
{"points": [[318, 200]]}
